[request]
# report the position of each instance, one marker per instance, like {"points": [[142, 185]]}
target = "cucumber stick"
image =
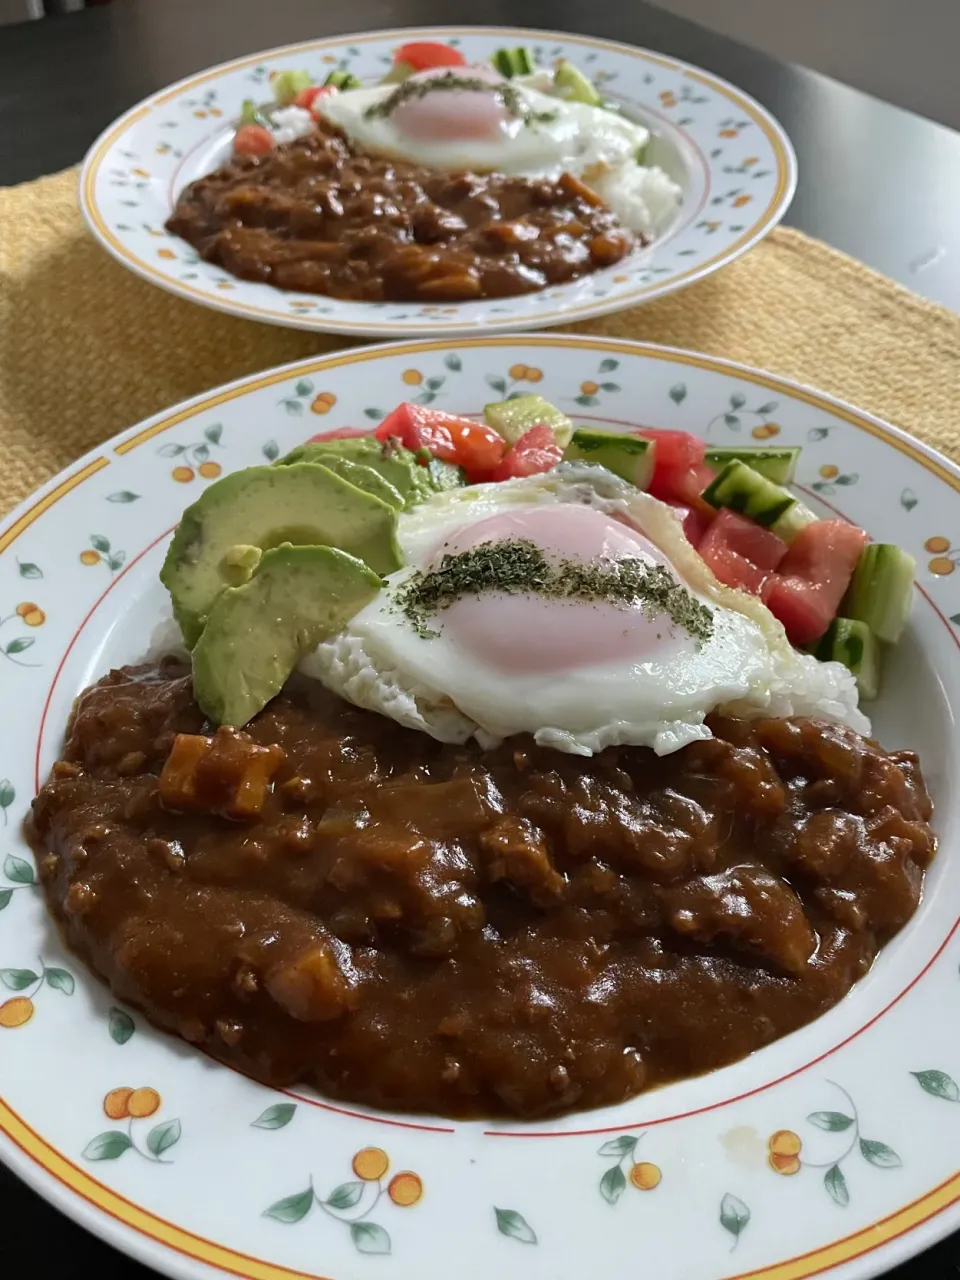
{"points": [[742, 489], [851, 642], [778, 465], [630, 457], [573, 85], [513, 62], [881, 590]]}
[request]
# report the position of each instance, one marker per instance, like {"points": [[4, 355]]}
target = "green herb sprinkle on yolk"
{"points": [[516, 566]]}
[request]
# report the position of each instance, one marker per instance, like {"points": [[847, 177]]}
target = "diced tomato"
{"points": [[825, 553], [307, 97], [762, 548], [682, 484], [342, 433], [740, 552], [471, 445], [695, 522], [676, 450], [253, 140], [533, 452], [812, 577], [798, 605], [422, 55], [733, 569]]}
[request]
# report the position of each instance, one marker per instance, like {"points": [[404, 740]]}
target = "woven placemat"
{"points": [[87, 349]]}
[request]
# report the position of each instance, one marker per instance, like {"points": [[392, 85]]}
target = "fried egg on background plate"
{"points": [[579, 675], [475, 129]]}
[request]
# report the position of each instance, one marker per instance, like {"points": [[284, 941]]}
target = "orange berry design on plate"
{"points": [[89, 557], [405, 1189], [27, 607], [209, 470], [370, 1164], [142, 1103], [165, 253], [324, 402], [645, 1176], [589, 388], [766, 431], [182, 475], [829, 472], [412, 377], [116, 1103], [784, 1149], [741, 201], [15, 1012], [353, 1203], [944, 557], [728, 133], [517, 372], [534, 375]]}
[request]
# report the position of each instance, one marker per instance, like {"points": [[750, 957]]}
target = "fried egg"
{"points": [[578, 674], [538, 136]]}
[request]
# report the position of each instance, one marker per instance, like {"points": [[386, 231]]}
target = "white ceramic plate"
{"points": [[218, 1174], [734, 162]]}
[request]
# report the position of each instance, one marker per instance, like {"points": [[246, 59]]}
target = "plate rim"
{"points": [[773, 215], [929, 1217]]}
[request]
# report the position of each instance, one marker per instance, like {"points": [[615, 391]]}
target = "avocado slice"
{"points": [[365, 478], [256, 634], [305, 504], [392, 461]]}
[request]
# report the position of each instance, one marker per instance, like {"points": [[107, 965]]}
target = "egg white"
{"points": [[593, 144], [746, 667]]}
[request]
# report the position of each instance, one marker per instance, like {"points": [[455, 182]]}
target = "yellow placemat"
{"points": [[87, 349]]}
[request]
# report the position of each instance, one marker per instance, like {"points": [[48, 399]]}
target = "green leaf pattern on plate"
{"points": [[734, 1216], [350, 1203], [276, 1117], [513, 1224], [938, 1084], [121, 1025], [785, 1146]]}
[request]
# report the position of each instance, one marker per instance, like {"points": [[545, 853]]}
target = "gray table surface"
{"points": [[877, 182]]}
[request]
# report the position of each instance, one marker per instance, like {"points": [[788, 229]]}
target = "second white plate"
{"points": [[732, 159]]}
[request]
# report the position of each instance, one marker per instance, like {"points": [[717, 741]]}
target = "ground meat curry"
{"points": [[318, 217], [331, 898]]}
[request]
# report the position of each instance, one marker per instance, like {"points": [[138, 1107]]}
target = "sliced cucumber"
{"points": [[398, 73], [853, 643], [250, 113], [742, 489], [342, 80], [514, 62], [793, 520], [881, 590], [574, 85], [778, 465], [446, 475], [513, 417], [630, 457], [287, 84]]}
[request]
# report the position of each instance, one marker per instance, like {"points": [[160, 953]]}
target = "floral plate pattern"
{"points": [[733, 161], [836, 1147]]}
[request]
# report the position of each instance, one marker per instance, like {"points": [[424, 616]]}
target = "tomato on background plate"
{"points": [[424, 55]]}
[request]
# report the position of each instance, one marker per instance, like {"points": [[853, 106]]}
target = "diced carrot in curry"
{"points": [[229, 774]]}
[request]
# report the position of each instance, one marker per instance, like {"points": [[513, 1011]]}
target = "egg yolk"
{"points": [[528, 632], [453, 115]]}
